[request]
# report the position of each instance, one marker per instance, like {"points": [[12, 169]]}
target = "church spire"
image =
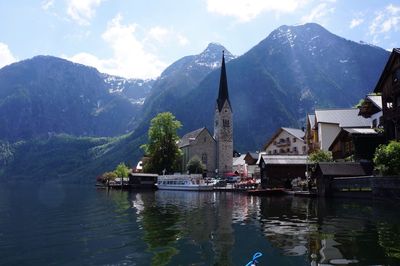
{"points": [[223, 86]]}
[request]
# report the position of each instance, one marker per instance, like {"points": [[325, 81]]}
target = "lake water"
{"points": [[55, 224]]}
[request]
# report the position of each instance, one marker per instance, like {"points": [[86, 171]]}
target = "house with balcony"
{"points": [[388, 87], [286, 141]]}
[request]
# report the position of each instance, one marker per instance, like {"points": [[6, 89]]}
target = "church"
{"points": [[214, 150]]}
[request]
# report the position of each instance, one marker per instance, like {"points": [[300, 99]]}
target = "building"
{"points": [[199, 143], [246, 165], [216, 152], [311, 134], [275, 170], [389, 87], [328, 124], [286, 141], [371, 107], [356, 144]]}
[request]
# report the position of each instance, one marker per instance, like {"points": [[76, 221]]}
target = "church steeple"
{"points": [[223, 86]]}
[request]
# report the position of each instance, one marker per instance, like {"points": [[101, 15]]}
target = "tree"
{"points": [[320, 156], [387, 158], [162, 147], [195, 166], [107, 177], [122, 170]]}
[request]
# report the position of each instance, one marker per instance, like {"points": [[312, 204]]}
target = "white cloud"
{"points": [[6, 56], [385, 22], [82, 11], [130, 58], [319, 13], [164, 35], [46, 4], [355, 22], [159, 34], [246, 10]]}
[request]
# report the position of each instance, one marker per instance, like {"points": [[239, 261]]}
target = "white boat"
{"points": [[183, 182]]}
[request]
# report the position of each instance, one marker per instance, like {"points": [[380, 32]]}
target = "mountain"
{"points": [[276, 83], [48, 95], [179, 79]]}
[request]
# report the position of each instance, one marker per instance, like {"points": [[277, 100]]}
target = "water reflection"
{"points": [[75, 225], [211, 225]]}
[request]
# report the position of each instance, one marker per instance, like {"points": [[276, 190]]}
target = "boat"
{"points": [[183, 182]]}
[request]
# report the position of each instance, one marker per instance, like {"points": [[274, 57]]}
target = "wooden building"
{"points": [[275, 170], [389, 87], [359, 143]]}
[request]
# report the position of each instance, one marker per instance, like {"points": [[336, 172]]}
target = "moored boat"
{"points": [[183, 182]]}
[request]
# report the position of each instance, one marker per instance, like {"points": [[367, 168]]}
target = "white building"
{"points": [[286, 141]]}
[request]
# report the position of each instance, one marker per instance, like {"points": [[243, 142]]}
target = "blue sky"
{"points": [[139, 38]]}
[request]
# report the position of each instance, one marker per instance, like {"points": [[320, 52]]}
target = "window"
{"points": [[204, 158], [275, 152], [269, 152], [225, 122], [304, 149], [294, 140], [287, 150], [205, 139]]}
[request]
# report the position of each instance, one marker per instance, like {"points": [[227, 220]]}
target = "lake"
{"points": [[56, 224]]}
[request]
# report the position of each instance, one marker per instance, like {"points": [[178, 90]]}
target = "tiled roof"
{"points": [[189, 137], [239, 160], [342, 117], [298, 133], [342, 169], [285, 159]]}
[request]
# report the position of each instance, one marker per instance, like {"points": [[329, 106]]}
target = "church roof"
{"points": [[223, 94], [190, 137]]}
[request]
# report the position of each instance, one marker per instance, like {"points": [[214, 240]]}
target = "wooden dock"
{"points": [[267, 192]]}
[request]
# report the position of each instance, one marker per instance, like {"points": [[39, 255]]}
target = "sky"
{"points": [[140, 38]]}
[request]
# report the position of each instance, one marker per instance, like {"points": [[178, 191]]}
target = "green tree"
{"points": [[108, 176], [320, 156], [122, 170], [195, 166], [387, 158], [162, 147]]}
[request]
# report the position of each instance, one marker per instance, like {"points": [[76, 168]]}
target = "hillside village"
{"points": [[351, 135]]}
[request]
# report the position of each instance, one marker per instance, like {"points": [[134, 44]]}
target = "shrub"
{"points": [[320, 156], [387, 159]]}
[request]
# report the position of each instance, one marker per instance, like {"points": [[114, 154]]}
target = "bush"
{"points": [[387, 158], [321, 156], [195, 166]]}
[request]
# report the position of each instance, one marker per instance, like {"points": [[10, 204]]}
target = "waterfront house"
{"points": [[326, 172], [246, 165], [286, 141], [356, 144], [389, 87], [276, 170], [328, 124]]}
